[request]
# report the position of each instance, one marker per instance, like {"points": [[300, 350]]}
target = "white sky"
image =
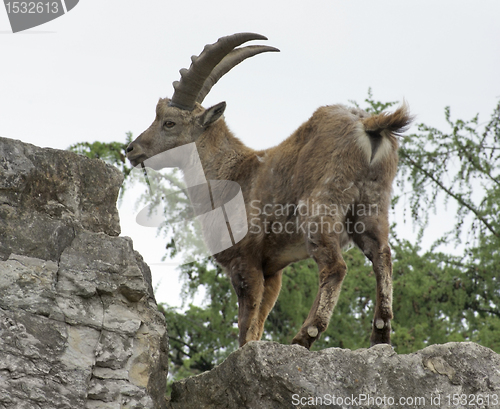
{"points": [[98, 71]]}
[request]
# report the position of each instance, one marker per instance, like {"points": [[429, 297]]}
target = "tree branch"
{"points": [[453, 195]]}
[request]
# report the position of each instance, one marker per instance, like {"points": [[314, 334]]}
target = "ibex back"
{"points": [[326, 186]]}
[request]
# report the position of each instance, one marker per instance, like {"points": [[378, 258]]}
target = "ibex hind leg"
{"points": [[375, 246], [382, 265], [326, 251]]}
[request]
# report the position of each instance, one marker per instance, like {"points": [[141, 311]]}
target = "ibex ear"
{"points": [[212, 114]]}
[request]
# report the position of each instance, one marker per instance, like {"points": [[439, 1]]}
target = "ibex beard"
{"points": [[341, 157]]}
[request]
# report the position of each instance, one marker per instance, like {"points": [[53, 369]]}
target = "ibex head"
{"points": [[182, 119]]}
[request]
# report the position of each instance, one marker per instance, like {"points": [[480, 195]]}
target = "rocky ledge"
{"points": [[267, 375], [79, 326]]}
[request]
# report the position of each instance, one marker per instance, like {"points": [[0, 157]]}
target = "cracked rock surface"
{"points": [[267, 375], [79, 326]]}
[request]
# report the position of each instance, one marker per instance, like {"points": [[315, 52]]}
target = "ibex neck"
{"points": [[221, 153]]}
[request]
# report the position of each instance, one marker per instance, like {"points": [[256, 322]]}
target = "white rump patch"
{"points": [[363, 141], [383, 150]]}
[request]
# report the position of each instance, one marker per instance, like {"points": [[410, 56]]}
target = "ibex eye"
{"points": [[169, 124]]}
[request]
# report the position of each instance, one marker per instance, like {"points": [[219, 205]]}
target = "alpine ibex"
{"points": [[326, 186]]}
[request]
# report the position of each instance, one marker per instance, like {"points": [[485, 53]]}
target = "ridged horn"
{"points": [[188, 89], [228, 63]]}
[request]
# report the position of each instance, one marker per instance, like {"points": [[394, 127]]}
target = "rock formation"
{"points": [[79, 326], [267, 375]]}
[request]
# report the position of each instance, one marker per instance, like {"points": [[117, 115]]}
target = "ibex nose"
{"points": [[135, 154]]}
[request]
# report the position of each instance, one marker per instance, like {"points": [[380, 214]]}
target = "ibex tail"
{"points": [[382, 130]]}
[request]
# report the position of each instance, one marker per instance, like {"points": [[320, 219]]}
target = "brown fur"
{"points": [[341, 158]]}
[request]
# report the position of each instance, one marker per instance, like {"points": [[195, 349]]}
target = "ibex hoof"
{"points": [[306, 336], [312, 331], [379, 323]]}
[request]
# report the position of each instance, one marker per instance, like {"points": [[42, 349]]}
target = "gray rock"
{"points": [[264, 375], [79, 326], [50, 193]]}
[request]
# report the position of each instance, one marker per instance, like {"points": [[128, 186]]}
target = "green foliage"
{"points": [[427, 306], [462, 166], [457, 298], [113, 153], [374, 107], [201, 337], [438, 297]]}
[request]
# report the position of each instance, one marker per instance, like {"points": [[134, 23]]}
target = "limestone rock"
{"points": [[45, 194], [267, 375], [79, 326]]}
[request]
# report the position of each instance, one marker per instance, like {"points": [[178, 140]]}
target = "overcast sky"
{"points": [[98, 71]]}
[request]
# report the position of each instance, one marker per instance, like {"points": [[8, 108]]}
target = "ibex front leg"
{"points": [[325, 249], [248, 283], [272, 287]]}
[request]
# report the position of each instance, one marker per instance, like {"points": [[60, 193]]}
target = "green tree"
{"points": [[201, 337], [438, 297], [457, 297], [113, 153]]}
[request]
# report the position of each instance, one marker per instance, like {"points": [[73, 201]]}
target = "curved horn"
{"points": [[228, 63], [192, 80]]}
